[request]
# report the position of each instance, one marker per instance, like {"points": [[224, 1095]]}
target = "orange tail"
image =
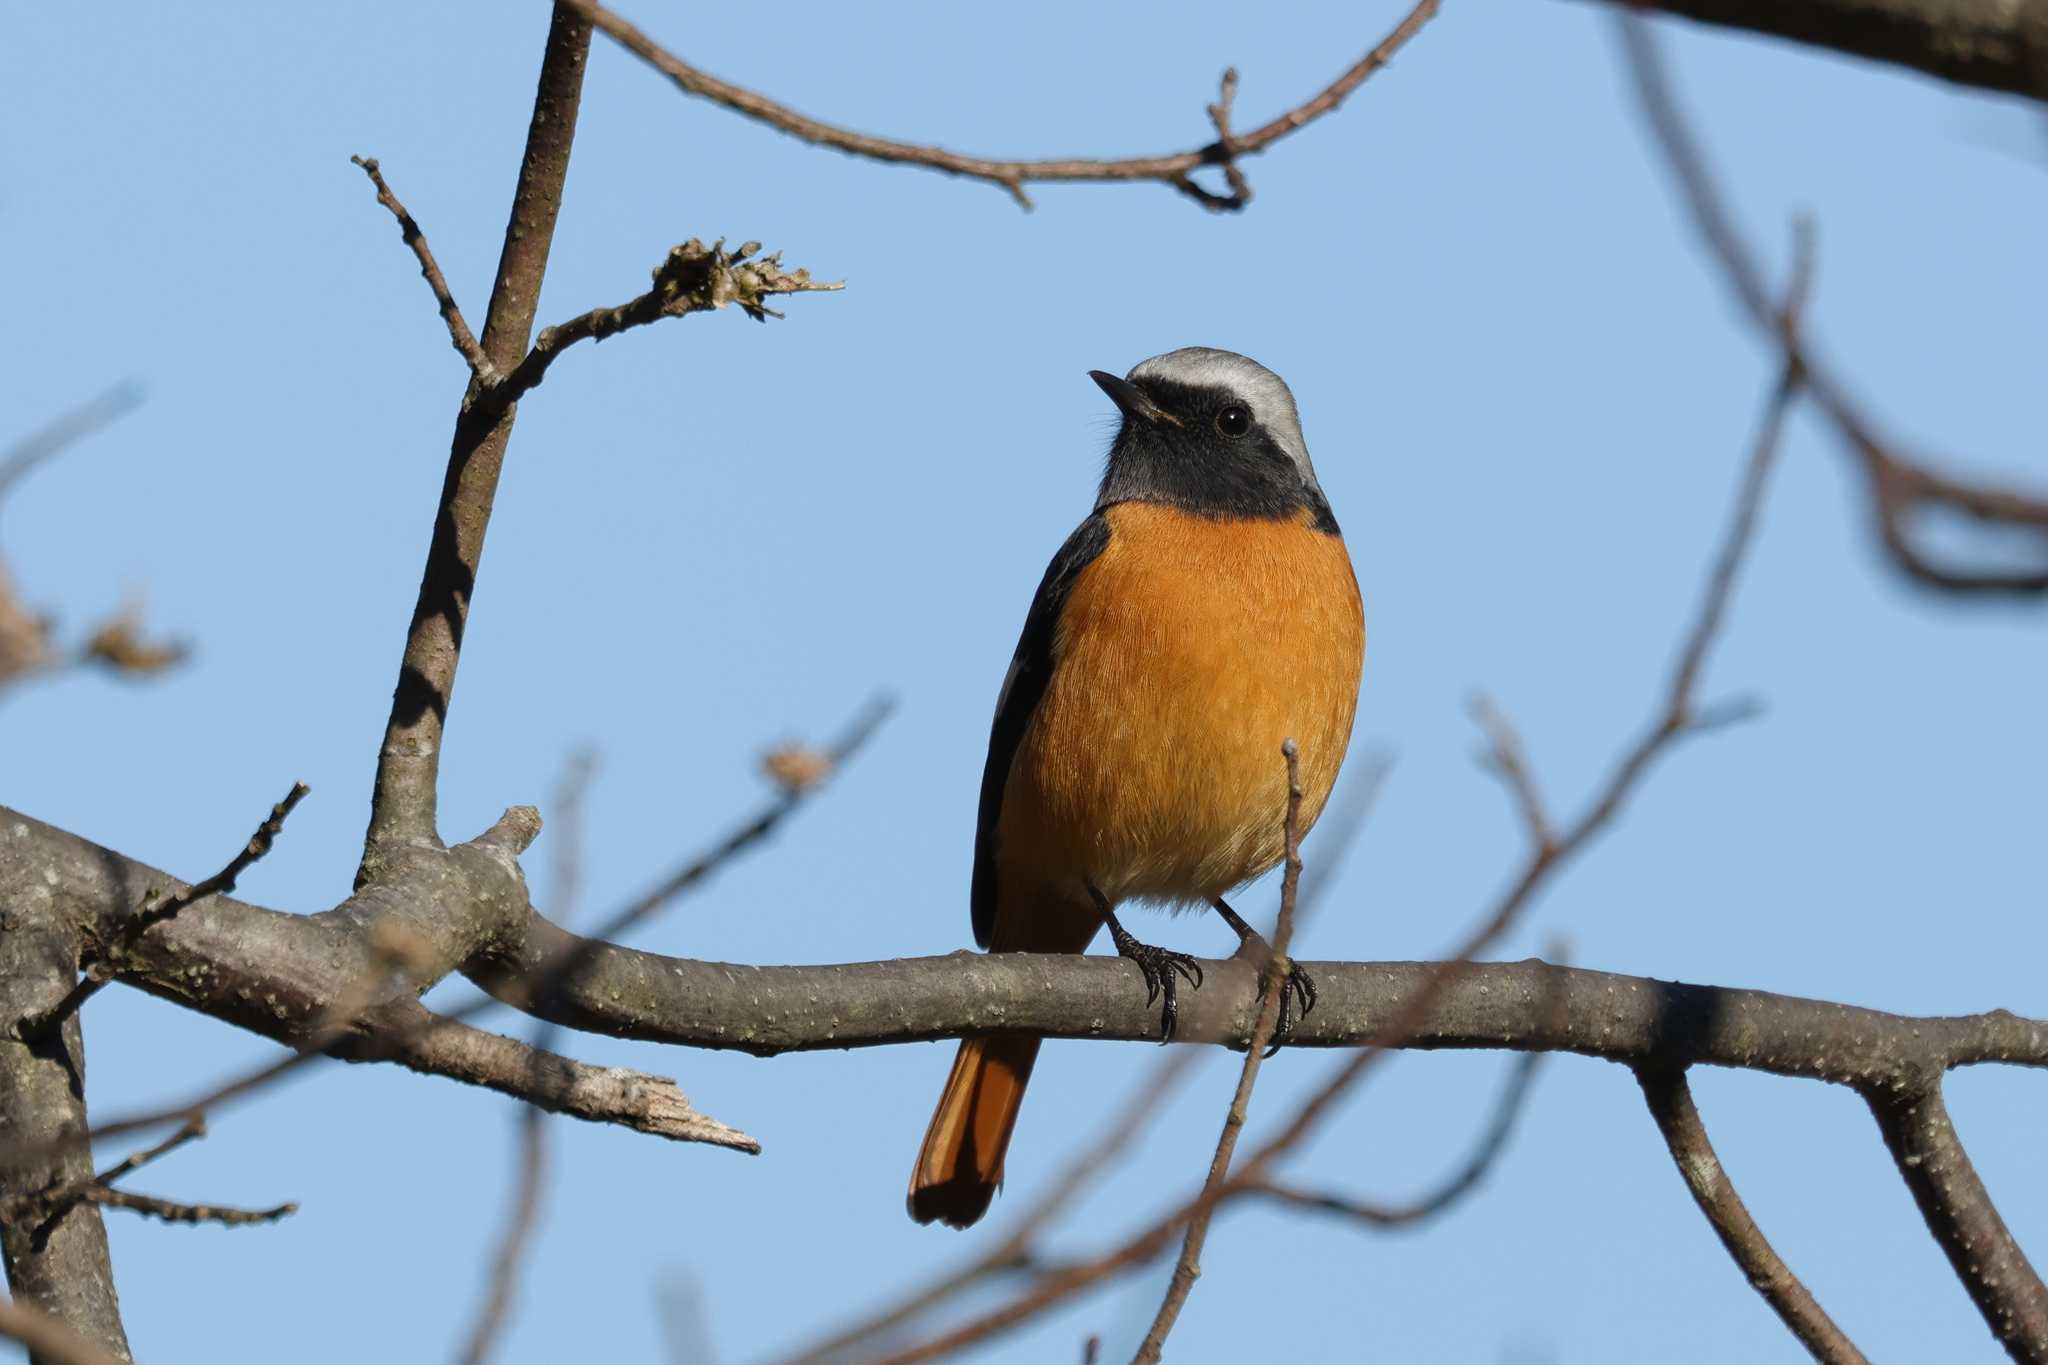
{"points": [[961, 1163]]}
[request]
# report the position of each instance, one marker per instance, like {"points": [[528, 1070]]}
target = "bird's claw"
{"points": [[1298, 987], [1160, 966]]}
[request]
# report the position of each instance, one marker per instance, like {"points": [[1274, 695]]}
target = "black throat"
{"points": [[1184, 461]]}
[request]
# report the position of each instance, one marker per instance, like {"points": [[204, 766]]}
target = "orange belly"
{"points": [[1186, 652]]}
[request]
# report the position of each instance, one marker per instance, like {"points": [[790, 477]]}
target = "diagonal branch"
{"points": [[49, 1341], [2001, 1281], [404, 799], [1272, 1000], [1900, 488], [158, 909], [1670, 1101], [67, 430], [430, 269], [1467, 1178], [1173, 170]]}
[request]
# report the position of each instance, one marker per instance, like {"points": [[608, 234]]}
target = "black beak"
{"points": [[1131, 398]]}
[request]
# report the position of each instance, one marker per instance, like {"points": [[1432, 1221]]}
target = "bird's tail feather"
{"points": [[961, 1163]]}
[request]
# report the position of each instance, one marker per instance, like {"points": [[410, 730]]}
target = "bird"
{"points": [[1205, 612]]}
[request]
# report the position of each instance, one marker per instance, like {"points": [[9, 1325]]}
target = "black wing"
{"points": [[1023, 688]]}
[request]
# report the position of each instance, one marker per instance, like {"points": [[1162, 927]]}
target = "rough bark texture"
{"points": [[1995, 44], [402, 808], [278, 974], [60, 1267]]}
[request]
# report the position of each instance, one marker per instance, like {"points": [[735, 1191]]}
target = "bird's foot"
{"points": [[1297, 992], [1160, 966]]}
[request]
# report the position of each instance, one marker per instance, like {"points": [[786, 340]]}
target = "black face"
{"points": [[1200, 448]]}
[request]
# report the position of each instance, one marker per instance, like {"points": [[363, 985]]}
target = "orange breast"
{"points": [[1187, 651]]}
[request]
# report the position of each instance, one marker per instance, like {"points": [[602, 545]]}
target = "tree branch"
{"points": [[1900, 488], [403, 801], [1992, 44], [57, 1267], [1188, 1268], [1670, 1101], [2001, 1281], [67, 430], [1173, 170], [49, 1341], [158, 908], [430, 269], [693, 279]]}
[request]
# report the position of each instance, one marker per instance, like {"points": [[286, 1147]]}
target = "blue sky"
{"points": [[1527, 396]]}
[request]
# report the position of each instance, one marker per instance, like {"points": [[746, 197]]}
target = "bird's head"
{"points": [[1211, 432]]}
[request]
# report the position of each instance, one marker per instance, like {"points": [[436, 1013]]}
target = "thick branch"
{"points": [[273, 973], [1959, 1212], [1173, 169], [1678, 1120], [57, 1267], [402, 807], [1994, 44]]}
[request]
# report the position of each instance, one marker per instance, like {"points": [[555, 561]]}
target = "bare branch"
{"points": [[61, 1266], [458, 327], [49, 1341], [156, 911], [66, 431], [693, 279], [1017, 1251], [1172, 170], [1465, 1180], [1899, 487], [404, 799], [1189, 1267], [795, 788], [170, 1211], [2001, 1281], [1670, 1101], [1506, 757], [531, 1180], [1992, 44]]}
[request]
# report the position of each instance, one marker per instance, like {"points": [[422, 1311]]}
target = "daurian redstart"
{"points": [[1203, 613]]}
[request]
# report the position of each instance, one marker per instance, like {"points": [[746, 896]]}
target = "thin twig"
{"points": [[1467, 1178], [1506, 757], [1898, 486], [1678, 1119], [458, 327], [531, 1180], [1172, 170], [170, 1211], [754, 830], [49, 1341], [693, 278], [157, 911], [65, 431], [194, 1129], [1017, 1251], [1189, 1267], [1338, 834]]}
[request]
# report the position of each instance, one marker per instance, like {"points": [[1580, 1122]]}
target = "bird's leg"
{"points": [[1158, 964], [1299, 986]]}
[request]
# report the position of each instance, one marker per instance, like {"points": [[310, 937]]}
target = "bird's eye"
{"points": [[1234, 420]]}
